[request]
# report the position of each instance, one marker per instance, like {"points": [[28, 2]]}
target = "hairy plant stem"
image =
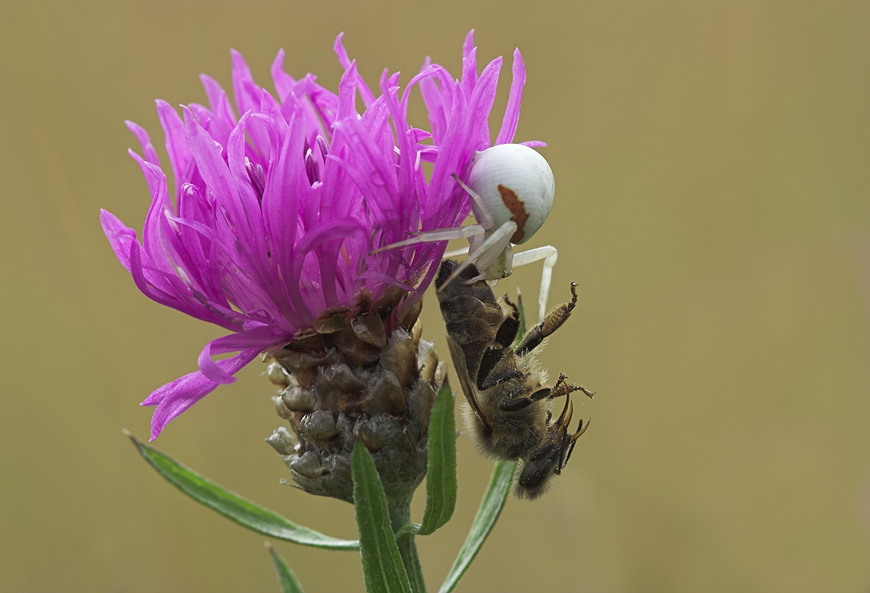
{"points": [[400, 515]]}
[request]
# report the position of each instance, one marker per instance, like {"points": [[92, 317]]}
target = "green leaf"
{"points": [[490, 508], [288, 580], [382, 564], [441, 473], [234, 507], [521, 331]]}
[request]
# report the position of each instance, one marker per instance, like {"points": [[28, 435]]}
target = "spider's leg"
{"points": [[481, 212], [549, 254], [464, 232], [488, 252], [495, 256]]}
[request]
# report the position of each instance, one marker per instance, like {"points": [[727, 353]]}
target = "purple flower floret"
{"points": [[281, 197]]}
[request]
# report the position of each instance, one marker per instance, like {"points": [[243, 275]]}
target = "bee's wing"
{"points": [[465, 381]]}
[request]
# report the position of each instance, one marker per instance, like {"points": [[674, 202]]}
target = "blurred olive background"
{"points": [[713, 167]]}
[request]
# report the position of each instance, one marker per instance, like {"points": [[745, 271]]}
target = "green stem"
{"points": [[400, 515]]}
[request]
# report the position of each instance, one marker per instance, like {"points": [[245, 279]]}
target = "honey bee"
{"points": [[509, 417]]}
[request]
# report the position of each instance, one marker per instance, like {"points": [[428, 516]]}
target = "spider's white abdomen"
{"points": [[515, 183]]}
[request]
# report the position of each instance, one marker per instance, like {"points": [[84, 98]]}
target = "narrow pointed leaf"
{"points": [[382, 564], [234, 507], [441, 473], [521, 331], [288, 580], [490, 508]]}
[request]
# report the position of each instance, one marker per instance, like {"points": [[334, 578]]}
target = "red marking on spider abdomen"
{"points": [[517, 209]]}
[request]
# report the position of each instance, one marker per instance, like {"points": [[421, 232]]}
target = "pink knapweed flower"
{"points": [[281, 196]]}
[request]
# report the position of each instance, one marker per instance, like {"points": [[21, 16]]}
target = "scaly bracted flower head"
{"points": [[281, 196]]}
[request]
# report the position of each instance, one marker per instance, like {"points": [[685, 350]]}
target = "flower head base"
{"points": [[346, 381], [280, 200]]}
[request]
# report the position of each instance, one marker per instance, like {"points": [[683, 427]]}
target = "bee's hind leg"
{"points": [[549, 324]]}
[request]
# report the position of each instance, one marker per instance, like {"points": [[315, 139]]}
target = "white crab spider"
{"points": [[511, 188]]}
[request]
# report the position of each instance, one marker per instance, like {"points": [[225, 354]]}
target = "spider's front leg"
{"points": [[465, 232], [491, 253]]}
